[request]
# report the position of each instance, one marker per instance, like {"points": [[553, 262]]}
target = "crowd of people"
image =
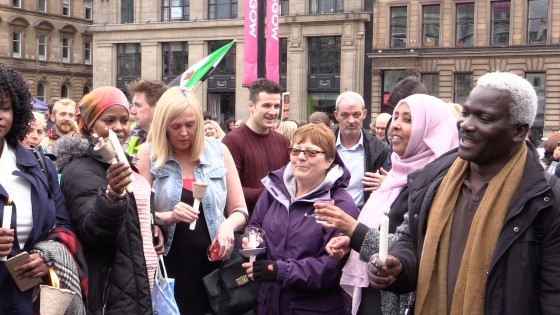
{"points": [[474, 218]]}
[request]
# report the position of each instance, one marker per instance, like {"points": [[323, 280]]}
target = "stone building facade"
{"points": [[50, 44], [449, 44], [153, 39]]}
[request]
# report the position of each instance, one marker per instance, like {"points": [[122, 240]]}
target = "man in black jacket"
{"points": [[362, 153], [484, 235]]}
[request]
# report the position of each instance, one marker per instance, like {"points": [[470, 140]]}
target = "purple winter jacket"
{"points": [[308, 279]]}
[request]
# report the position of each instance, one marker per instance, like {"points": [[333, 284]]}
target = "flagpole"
{"points": [[261, 47]]}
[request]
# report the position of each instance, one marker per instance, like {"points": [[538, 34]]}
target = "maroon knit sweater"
{"points": [[255, 155]]}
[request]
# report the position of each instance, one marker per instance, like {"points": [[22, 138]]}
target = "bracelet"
{"points": [[113, 196], [244, 213]]}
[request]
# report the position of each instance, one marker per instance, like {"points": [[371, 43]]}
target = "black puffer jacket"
{"points": [[524, 273], [109, 232]]}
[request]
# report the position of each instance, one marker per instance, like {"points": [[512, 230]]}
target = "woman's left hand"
{"points": [[158, 240], [35, 268], [334, 218], [224, 237]]}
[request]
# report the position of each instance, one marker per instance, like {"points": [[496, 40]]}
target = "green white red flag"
{"points": [[202, 69]]}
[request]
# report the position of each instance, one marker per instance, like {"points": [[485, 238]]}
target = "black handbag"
{"points": [[230, 291]]}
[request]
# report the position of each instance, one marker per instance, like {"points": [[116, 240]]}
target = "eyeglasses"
{"points": [[307, 153]]}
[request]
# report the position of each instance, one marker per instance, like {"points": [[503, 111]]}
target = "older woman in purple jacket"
{"points": [[297, 275]]}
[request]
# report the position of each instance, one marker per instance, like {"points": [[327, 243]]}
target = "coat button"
{"points": [[416, 216], [546, 199], [516, 229]]}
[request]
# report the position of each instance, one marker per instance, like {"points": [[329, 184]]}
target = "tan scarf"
{"points": [[468, 297]]}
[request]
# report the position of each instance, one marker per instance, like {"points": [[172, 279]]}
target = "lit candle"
{"points": [[383, 237], [120, 154], [7, 220]]}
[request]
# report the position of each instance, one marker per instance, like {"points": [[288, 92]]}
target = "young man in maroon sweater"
{"points": [[255, 147]]}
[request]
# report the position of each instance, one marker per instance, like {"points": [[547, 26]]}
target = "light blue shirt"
{"points": [[211, 170], [353, 159]]}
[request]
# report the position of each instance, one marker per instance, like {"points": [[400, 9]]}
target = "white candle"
{"points": [[7, 218], [253, 240], [120, 154], [196, 205], [6, 222], [383, 237]]}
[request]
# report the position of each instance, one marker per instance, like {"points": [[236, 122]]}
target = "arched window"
{"points": [[41, 92], [64, 91], [86, 89]]}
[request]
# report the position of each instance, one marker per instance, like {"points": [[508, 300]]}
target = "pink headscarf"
{"points": [[434, 132], [93, 104]]}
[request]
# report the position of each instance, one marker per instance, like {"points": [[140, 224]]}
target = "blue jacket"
{"points": [[168, 183], [308, 279], [48, 209]]}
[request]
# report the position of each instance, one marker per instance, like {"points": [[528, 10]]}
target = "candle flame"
{"points": [[54, 278]]}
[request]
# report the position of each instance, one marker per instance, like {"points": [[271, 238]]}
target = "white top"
{"points": [[353, 159], [19, 191]]}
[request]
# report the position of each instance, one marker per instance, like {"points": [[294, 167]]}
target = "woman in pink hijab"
{"points": [[422, 130]]}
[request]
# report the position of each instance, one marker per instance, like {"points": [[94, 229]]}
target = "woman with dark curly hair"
{"points": [[27, 188]]}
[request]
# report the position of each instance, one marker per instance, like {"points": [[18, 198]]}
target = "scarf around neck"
{"points": [[468, 296]]}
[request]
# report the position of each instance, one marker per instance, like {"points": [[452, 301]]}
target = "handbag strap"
{"points": [[224, 291]]}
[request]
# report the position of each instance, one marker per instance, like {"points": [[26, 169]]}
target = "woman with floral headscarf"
{"points": [[112, 224], [422, 130]]}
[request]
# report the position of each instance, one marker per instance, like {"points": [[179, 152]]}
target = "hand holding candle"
{"points": [[253, 235], [199, 190], [383, 237], [121, 156]]}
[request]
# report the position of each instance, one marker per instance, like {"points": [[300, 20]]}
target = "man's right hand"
{"points": [[382, 274]]}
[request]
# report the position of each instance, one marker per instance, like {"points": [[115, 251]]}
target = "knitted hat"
{"points": [[96, 102]]}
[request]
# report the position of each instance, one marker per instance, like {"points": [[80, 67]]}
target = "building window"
{"points": [[283, 61], [430, 25], [65, 49], [222, 9], [87, 53], [462, 88], [64, 91], [390, 78], [127, 11], [227, 65], [41, 92], [88, 9], [175, 10], [16, 44], [128, 60], [42, 5], [175, 60], [16, 3], [398, 27], [324, 55], [538, 81], [42, 47], [537, 22], [284, 7], [325, 6], [85, 90], [500, 22], [66, 7], [431, 81], [464, 24]]}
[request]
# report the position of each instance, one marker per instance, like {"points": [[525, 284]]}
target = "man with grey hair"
{"points": [[484, 233], [378, 126], [362, 153]]}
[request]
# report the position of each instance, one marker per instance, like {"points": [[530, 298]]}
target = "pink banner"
{"points": [[250, 38], [273, 40]]}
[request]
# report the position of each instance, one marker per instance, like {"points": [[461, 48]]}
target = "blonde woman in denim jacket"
{"points": [[177, 155]]}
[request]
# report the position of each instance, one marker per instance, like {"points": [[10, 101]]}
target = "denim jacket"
{"points": [[211, 170]]}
